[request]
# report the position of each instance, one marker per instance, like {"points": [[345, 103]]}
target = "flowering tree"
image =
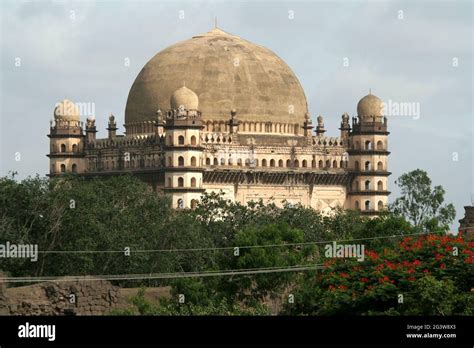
{"points": [[424, 275]]}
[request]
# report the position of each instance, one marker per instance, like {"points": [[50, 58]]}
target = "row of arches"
{"points": [[181, 161], [367, 185], [368, 145], [63, 148], [192, 182], [276, 163], [257, 127], [181, 140], [368, 205], [63, 168], [368, 166], [142, 127]]}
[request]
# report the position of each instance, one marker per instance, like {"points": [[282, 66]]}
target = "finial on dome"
{"points": [[215, 22], [370, 90]]}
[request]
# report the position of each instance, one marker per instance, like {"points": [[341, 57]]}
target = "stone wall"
{"points": [[87, 297]]}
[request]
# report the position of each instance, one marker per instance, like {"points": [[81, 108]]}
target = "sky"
{"points": [[417, 53]]}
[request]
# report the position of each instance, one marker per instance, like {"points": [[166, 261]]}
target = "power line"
{"points": [[232, 272], [224, 248]]}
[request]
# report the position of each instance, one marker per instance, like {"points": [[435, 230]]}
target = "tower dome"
{"points": [[66, 110], [225, 72], [369, 106], [184, 97]]}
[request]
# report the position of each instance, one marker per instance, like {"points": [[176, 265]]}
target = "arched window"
{"points": [[356, 185], [169, 182], [288, 163], [264, 163], [367, 165], [180, 203], [181, 140], [356, 165], [272, 163], [380, 185], [63, 168], [320, 164], [216, 161], [280, 163], [193, 161], [247, 162], [379, 145], [367, 185], [208, 161], [239, 162], [367, 205], [193, 140], [194, 203], [328, 164], [180, 182], [193, 182], [341, 164], [181, 161], [222, 161], [304, 163], [297, 163], [74, 147], [357, 206], [313, 164], [379, 166], [334, 164], [74, 168], [63, 147], [230, 161], [380, 205], [368, 145]]}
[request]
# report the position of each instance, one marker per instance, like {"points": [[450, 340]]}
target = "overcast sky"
{"points": [[405, 51]]}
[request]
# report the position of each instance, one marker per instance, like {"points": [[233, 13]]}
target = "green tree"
{"points": [[421, 204]]}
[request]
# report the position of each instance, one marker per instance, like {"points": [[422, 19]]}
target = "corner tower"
{"points": [[66, 140], [368, 157], [183, 150]]}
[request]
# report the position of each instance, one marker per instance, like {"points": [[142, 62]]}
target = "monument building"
{"points": [[219, 113]]}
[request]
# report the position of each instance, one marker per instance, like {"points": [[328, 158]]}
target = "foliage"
{"points": [[421, 204], [70, 214], [141, 306]]}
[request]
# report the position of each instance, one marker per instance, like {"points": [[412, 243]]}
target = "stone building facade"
{"points": [[218, 113]]}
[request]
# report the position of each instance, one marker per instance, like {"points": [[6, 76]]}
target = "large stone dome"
{"points": [[226, 72]]}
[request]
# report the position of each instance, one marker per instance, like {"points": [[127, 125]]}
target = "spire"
{"points": [[215, 22]]}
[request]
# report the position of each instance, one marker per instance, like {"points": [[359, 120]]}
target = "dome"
{"points": [[66, 110], [370, 105], [185, 97], [225, 72]]}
